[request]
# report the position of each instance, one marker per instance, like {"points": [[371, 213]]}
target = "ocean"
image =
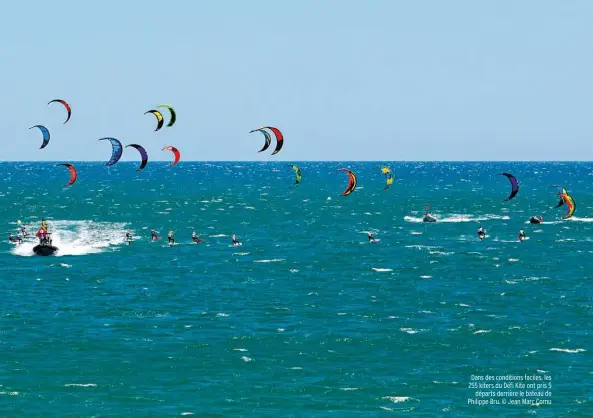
{"points": [[306, 318]]}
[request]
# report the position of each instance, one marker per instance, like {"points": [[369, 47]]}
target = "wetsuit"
{"points": [[128, 237], [195, 238], [11, 238], [154, 236], [371, 238], [171, 239]]}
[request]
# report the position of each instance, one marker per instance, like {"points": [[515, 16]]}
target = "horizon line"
{"points": [[309, 161]]}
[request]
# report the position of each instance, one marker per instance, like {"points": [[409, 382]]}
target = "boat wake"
{"points": [[456, 218], [78, 238]]}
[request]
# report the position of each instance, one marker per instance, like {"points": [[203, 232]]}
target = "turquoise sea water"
{"points": [[306, 318]]}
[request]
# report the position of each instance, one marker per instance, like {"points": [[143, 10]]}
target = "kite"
{"points": [[116, 152], [66, 105], [175, 152], [351, 182], [563, 191], [45, 133], [267, 136], [73, 174], [159, 118], [514, 185], [388, 177], [570, 203], [279, 138], [143, 154], [297, 172], [172, 112]]}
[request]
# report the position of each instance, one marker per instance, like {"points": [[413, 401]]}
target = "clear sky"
{"points": [[343, 80]]}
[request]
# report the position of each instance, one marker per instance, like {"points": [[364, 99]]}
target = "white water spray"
{"points": [[78, 238]]}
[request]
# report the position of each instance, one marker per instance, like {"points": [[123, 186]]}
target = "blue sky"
{"points": [[344, 80]]}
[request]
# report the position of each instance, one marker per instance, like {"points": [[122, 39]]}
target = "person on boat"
{"points": [[371, 237], [195, 237], [42, 233], [235, 240], [171, 237], [153, 235], [45, 239]]}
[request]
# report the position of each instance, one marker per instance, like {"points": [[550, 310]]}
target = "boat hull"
{"points": [[44, 250]]}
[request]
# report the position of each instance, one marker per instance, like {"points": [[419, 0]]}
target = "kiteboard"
{"points": [[375, 240], [238, 244], [197, 241], [523, 238]]}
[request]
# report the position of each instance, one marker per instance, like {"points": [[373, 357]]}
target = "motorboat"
{"points": [[534, 220], [45, 247], [428, 217]]}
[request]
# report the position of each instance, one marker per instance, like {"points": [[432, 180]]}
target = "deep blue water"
{"points": [[306, 318]]}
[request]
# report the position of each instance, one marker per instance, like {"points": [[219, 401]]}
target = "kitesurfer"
{"points": [[371, 237], [128, 237], [481, 233], [153, 235], [195, 238], [18, 239], [24, 231], [171, 238], [521, 235], [235, 240]]}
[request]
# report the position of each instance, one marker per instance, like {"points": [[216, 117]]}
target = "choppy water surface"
{"points": [[306, 318]]}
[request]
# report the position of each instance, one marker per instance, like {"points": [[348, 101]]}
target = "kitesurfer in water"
{"points": [[18, 240], [481, 233], [171, 238], [371, 237], [195, 238], [153, 235], [235, 240]]}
